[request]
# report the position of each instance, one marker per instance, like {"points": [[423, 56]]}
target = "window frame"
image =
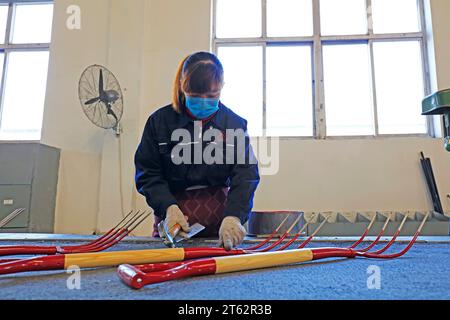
{"points": [[7, 47], [316, 41]]}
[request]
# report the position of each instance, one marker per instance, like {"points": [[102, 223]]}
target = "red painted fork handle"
{"points": [[191, 254], [154, 267], [324, 253], [8, 260], [34, 264], [137, 279], [19, 250]]}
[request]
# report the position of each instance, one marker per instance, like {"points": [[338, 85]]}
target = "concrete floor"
{"points": [[421, 274]]}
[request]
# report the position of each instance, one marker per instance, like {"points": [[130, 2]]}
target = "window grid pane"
{"points": [[3, 22], [344, 17], [289, 18], [400, 87], [27, 56], [289, 91], [365, 80], [243, 90], [246, 17], [32, 23], [24, 95], [395, 16], [348, 90]]}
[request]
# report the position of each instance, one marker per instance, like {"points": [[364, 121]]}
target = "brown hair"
{"points": [[198, 73]]}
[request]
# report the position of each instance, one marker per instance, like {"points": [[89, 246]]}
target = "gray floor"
{"points": [[422, 274]]}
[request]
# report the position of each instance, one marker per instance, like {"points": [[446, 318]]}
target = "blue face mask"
{"points": [[202, 108]]}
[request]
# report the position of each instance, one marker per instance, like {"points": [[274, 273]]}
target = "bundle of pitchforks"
{"points": [[127, 225], [144, 267]]}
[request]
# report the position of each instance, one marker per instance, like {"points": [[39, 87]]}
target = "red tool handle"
{"points": [[8, 260], [33, 264], [19, 250], [154, 267], [137, 279]]}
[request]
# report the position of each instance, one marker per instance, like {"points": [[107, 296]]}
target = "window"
{"points": [[324, 68], [25, 36]]}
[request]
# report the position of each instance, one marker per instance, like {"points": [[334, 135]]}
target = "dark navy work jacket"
{"points": [[158, 178]]}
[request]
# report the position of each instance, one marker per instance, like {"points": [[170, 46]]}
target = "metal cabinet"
{"points": [[28, 179]]}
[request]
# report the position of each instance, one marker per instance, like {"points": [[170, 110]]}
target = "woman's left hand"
{"points": [[231, 233]]}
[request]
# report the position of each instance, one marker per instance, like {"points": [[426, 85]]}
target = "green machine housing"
{"points": [[439, 104]]}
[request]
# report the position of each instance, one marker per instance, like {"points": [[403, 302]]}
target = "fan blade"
{"points": [[100, 85], [91, 101]]}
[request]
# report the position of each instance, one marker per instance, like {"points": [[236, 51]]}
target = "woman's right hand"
{"points": [[174, 216]]}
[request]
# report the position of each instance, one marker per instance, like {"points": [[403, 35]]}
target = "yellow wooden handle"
{"points": [[262, 260], [111, 259]]}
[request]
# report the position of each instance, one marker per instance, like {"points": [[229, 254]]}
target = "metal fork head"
{"points": [[130, 222]]}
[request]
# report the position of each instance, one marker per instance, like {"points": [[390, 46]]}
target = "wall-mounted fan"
{"points": [[101, 97], [102, 101]]}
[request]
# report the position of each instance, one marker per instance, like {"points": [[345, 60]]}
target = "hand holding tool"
{"points": [[174, 223]]}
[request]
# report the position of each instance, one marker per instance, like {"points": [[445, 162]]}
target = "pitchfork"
{"points": [[147, 268], [60, 261], [130, 222], [141, 275], [259, 248], [169, 260]]}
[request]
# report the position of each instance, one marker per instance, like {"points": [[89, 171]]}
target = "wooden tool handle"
{"points": [[175, 230]]}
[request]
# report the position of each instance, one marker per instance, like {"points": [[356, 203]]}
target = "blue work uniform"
{"points": [[158, 178]]}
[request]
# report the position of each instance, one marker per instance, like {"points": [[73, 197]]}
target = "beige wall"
{"points": [[142, 41]]}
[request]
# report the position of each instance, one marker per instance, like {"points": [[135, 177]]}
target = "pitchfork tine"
{"points": [[313, 234], [287, 245], [382, 250], [276, 243], [143, 218], [127, 231], [103, 240], [401, 253], [365, 233], [110, 234], [378, 237], [270, 237], [123, 230]]}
